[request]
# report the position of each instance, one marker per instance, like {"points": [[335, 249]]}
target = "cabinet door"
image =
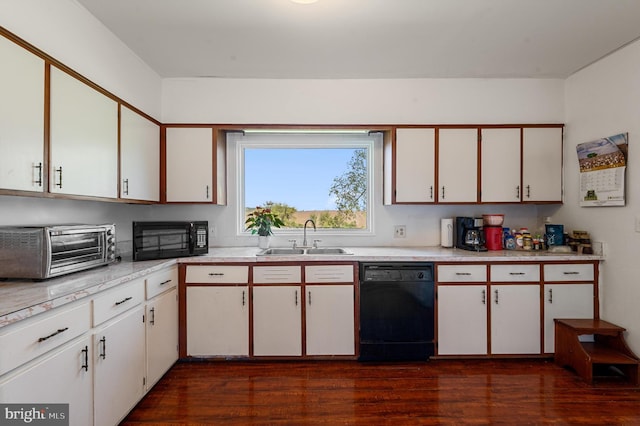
{"points": [[515, 319], [84, 139], [139, 157], [189, 164], [61, 377], [500, 165], [415, 166], [458, 165], [542, 164], [565, 301], [218, 321], [162, 335], [21, 118], [330, 320], [277, 321], [462, 319], [118, 349]]}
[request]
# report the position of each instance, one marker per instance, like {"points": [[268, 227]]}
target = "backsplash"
{"points": [[422, 222]]}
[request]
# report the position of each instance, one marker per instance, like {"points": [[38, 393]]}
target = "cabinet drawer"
{"points": [[569, 272], [161, 281], [115, 301], [217, 274], [515, 273], [23, 343], [328, 274], [462, 273], [277, 274]]}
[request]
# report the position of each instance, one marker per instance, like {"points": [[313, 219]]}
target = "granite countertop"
{"points": [[20, 299]]}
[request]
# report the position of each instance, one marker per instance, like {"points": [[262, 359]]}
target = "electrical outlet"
{"points": [[213, 232], [400, 231]]}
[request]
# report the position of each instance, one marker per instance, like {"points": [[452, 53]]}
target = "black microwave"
{"points": [[163, 240]]}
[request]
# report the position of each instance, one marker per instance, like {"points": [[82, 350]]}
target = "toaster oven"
{"points": [[48, 251]]}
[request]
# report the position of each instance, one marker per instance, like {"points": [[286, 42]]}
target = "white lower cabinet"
{"points": [[217, 321], [515, 319], [162, 335], [62, 376], [277, 321], [462, 319], [119, 358], [330, 320], [565, 301]]}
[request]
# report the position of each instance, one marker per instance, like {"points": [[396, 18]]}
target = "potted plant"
{"points": [[260, 222]]}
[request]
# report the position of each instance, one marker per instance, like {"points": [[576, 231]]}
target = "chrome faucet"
{"points": [[304, 235]]}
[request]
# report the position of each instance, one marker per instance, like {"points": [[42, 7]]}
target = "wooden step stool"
{"points": [[608, 348]]}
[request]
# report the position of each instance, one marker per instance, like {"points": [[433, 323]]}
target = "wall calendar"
{"points": [[603, 165]]}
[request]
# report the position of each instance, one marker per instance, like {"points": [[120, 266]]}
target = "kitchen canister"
{"points": [[446, 232], [554, 235]]}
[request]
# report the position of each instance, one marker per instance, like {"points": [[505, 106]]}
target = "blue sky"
{"points": [[300, 178]]}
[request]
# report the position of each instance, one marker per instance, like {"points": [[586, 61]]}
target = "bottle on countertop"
{"points": [[510, 242]]}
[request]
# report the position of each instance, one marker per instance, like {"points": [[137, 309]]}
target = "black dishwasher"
{"points": [[396, 311]]}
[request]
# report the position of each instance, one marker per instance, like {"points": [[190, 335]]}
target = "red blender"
{"points": [[492, 227]]}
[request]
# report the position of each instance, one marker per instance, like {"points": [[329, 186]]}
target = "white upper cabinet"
{"points": [[189, 164], [84, 139], [500, 166], [542, 164], [21, 118], [415, 165], [458, 165], [139, 157]]}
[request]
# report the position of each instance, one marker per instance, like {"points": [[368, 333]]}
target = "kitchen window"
{"points": [[319, 175]]}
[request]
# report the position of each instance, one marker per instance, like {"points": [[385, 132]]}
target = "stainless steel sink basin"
{"points": [[327, 251], [280, 251], [288, 251]]}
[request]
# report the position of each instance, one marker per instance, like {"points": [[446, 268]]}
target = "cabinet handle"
{"points": [[59, 172], [38, 180], [550, 295], [85, 354], [243, 298], [528, 191], [497, 296], [152, 320], [103, 353], [571, 273], [207, 192], [443, 192], [126, 187], [484, 297], [126, 299], [463, 273], [516, 273], [431, 192], [60, 330], [518, 192], [165, 282], [309, 297], [216, 274], [296, 292]]}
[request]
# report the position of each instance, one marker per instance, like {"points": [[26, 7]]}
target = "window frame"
{"points": [[312, 139]]}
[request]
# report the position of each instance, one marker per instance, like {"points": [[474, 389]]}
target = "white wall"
{"points": [[603, 100], [69, 33]]}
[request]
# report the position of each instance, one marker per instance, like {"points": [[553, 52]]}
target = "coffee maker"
{"points": [[468, 234]]}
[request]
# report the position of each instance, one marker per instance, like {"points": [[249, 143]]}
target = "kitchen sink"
{"points": [[287, 251], [280, 251], [327, 251]]}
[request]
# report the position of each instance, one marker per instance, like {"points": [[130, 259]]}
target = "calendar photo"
{"points": [[603, 165]]}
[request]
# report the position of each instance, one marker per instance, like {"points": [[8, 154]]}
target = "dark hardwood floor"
{"points": [[511, 392]]}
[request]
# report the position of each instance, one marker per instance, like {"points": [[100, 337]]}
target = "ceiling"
{"points": [[343, 39]]}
